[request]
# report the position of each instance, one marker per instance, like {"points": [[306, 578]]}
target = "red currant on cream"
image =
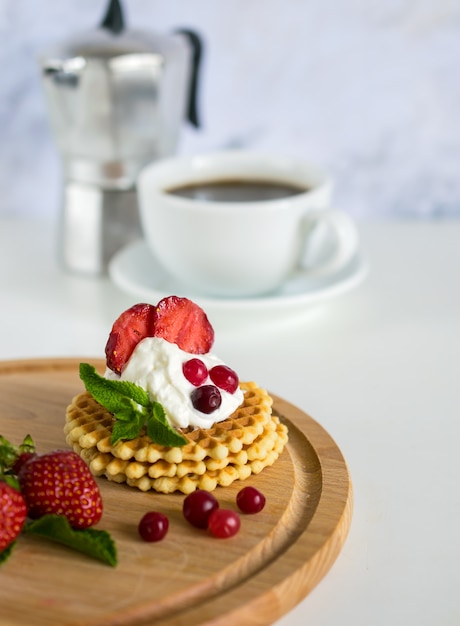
{"points": [[224, 523], [198, 506], [250, 500], [195, 371], [206, 398], [224, 377], [153, 526]]}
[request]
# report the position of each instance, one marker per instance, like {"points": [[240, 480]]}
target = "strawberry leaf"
{"points": [[11, 480], [95, 543], [10, 456], [27, 445], [8, 453], [6, 552]]}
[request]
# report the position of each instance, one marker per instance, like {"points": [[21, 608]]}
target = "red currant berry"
{"points": [[224, 523], [153, 526], [195, 371], [250, 500], [198, 506], [224, 377], [206, 398]]}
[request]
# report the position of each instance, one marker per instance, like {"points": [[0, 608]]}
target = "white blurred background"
{"points": [[370, 90]]}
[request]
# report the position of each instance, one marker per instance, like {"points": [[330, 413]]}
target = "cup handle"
{"points": [[345, 237]]}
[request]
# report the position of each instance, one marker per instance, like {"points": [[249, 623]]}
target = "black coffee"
{"points": [[237, 190]]}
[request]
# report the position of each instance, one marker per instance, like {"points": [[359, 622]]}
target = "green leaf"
{"points": [[110, 393], [125, 430], [6, 553], [9, 454], [126, 415], [130, 411], [27, 445], [95, 543], [12, 481], [131, 407], [159, 429]]}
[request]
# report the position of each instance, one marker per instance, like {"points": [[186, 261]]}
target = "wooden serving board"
{"points": [[189, 578]]}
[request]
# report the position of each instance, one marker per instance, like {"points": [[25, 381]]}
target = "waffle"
{"points": [[243, 444]]}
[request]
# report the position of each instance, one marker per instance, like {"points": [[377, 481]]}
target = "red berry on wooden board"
{"points": [[153, 526], [224, 523], [198, 506], [250, 500]]}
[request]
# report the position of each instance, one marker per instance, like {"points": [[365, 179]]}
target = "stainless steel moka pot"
{"points": [[116, 99]]}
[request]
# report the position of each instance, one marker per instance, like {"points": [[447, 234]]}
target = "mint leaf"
{"points": [[110, 392], [131, 407], [95, 543], [125, 430], [131, 411], [159, 429]]}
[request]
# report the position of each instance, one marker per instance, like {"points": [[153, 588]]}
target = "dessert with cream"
{"points": [[167, 414], [172, 377]]}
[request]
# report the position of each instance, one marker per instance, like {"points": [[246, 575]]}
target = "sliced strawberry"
{"points": [[61, 483], [129, 328], [13, 514], [177, 320], [181, 321]]}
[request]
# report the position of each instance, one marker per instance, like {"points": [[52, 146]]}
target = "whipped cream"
{"points": [[156, 366]]}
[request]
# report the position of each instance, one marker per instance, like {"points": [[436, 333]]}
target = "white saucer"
{"points": [[137, 272]]}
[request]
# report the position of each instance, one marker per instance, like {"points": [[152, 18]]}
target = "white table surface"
{"points": [[378, 367]]}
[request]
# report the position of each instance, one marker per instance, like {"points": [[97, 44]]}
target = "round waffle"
{"points": [[246, 442]]}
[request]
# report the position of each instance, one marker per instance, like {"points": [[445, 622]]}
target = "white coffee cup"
{"points": [[239, 248]]}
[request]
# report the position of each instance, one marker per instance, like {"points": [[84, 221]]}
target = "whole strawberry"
{"points": [[60, 482], [13, 513]]}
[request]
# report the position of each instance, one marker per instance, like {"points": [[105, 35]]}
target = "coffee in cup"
{"points": [[237, 190], [237, 223]]}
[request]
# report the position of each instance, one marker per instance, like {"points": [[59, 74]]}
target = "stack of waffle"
{"points": [[249, 440]]}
